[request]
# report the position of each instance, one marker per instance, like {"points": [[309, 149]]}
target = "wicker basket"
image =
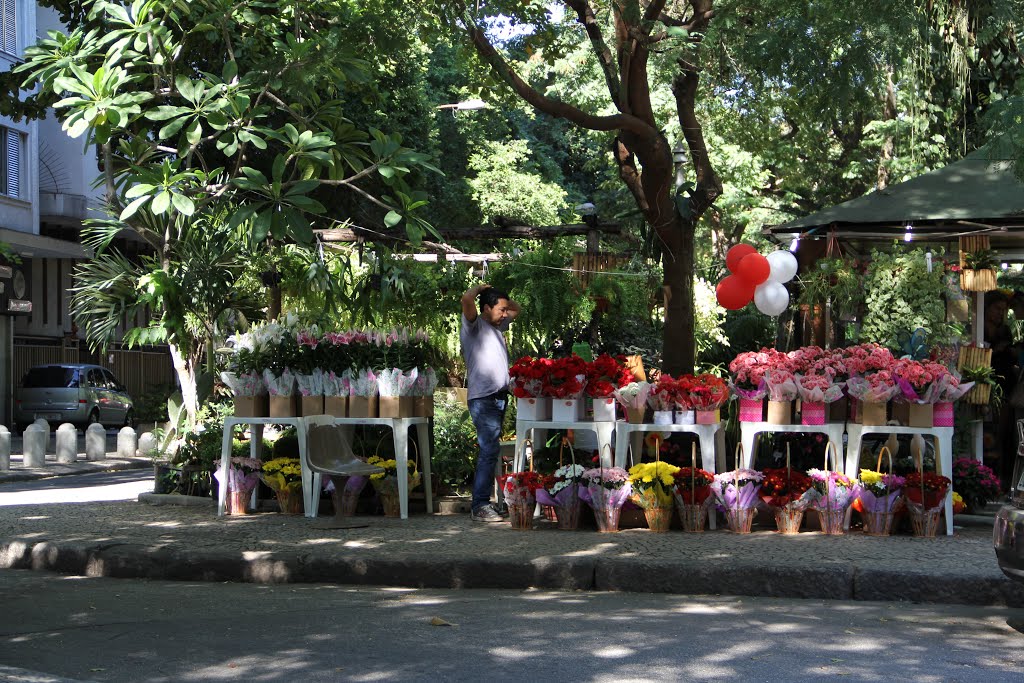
{"points": [[983, 280]]}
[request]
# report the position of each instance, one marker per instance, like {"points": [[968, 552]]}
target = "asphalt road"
{"points": [[81, 488], [127, 630]]}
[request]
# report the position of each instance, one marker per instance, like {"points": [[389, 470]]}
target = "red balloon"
{"points": [[735, 254], [733, 292], [754, 268]]}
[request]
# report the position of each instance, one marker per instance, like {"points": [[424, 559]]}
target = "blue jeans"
{"points": [[487, 413]]}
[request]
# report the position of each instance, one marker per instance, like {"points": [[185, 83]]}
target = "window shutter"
{"points": [[13, 161], [10, 27]]}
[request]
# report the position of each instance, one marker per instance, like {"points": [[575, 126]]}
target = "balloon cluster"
{"points": [[756, 278]]}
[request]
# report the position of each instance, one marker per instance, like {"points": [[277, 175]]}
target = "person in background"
{"points": [[1004, 365], [486, 356]]}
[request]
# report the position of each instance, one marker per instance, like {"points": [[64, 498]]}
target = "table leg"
{"points": [[636, 447], [622, 433], [517, 458], [604, 438], [748, 434], [310, 479], [423, 439], [720, 465], [944, 440], [402, 465], [225, 458], [706, 436]]}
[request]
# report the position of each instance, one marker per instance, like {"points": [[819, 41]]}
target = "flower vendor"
{"points": [[486, 356]]}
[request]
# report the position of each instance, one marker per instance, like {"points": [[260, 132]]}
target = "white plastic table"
{"points": [[943, 437], [399, 429], [255, 448], [603, 429], [749, 430], [711, 438]]}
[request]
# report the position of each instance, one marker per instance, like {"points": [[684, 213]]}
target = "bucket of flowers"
{"points": [[520, 491], [243, 475], [526, 380], [693, 495], [815, 392], [565, 382], [284, 477], [736, 493], [747, 383], [561, 491], [706, 394], [926, 494], [605, 374], [788, 493], [836, 493], [880, 497], [608, 488], [652, 484], [386, 483]]}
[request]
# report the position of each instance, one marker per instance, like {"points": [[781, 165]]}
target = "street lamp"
{"points": [[679, 160]]}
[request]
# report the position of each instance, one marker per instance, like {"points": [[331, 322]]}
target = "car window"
{"points": [[51, 377], [96, 379], [112, 382]]}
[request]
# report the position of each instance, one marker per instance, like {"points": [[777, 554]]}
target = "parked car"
{"points": [[70, 392], [1008, 532]]}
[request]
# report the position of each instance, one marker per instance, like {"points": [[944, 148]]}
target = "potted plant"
{"points": [[653, 484], [832, 280], [978, 270], [976, 483]]}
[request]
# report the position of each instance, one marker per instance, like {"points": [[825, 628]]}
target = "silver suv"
{"points": [[75, 393], [1008, 532]]}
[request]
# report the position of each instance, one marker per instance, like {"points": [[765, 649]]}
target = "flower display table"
{"points": [[750, 430], [255, 446], [310, 479], [399, 427], [943, 437], [603, 429]]}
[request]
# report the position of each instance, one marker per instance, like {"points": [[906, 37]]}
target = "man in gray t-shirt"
{"points": [[486, 355]]}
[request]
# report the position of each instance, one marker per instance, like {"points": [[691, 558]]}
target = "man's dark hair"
{"points": [[490, 297]]}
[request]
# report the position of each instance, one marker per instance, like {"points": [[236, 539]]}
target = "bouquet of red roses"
{"points": [[665, 393], [604, 375], [703, 392], [566, 377], [693, 485], [527, 376]]}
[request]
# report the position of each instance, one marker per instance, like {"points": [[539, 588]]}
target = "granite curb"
{"points": [[828, 581]]}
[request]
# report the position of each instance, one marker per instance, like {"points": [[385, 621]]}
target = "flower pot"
{"points": [[924, 522], [362, 406], [751, 409], [877, 523], [283, 406], [336, 406], [663, 417], [607, 519], [871, 414], [604, 409], [788, 520], [238, 502], [831, 522], [635, 415], [708, 417], [812, 413], [531, 408], [289, 500], [521, 514], [685, 416], [780, 412], [692, 517], [568, 516], [659, 518], [921, 415], [942, 415], [391, 502], [565, 409], [980, 280], [739, 520]]}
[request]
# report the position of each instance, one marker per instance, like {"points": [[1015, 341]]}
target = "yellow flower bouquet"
{"points": [[653, 485], [386, 482], [284, 477]]}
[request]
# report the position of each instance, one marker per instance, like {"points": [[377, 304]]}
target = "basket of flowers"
{"points": [[880, 496], [693, 495], [926, 494], [652, 484], [284, 477], [243, 475], [386, 483], [836, 493], [560, 491], [788, 493], [520, 492], [608, 488], [736, 493]]}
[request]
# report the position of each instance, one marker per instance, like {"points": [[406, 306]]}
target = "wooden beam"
{"points": [[481, 233]]}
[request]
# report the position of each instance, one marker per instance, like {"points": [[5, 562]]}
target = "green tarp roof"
{"points": [[975, 189]]}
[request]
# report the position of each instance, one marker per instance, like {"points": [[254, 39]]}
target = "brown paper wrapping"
{"points": [[252, 406]]}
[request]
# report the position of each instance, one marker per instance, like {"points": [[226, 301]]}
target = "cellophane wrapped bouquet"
{"points": [[693, 496], [788, 493], [836, 493], [608, 489], [527, 375], [520, 492], [879, 497], [633, 396], [561, 491], [737, 493]]}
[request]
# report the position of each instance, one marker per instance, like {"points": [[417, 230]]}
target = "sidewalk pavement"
{"points": [[189, 542]]}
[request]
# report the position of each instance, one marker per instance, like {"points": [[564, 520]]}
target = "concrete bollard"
{"points": [[147, 445], [46, 428], [5, 449], [95, 442], [33, 441], [67, 443], [127, 442]]}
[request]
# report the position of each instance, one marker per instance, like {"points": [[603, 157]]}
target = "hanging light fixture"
{"points": [[908, 235]]}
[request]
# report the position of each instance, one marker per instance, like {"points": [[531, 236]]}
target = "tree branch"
{"points": [[585, 16], [709, 185]]}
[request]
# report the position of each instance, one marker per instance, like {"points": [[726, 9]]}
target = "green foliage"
{"points": [[981, 259], [454, 456], [523, 195], [200, 446], [902, 296], [834, 280], [151, 405]]}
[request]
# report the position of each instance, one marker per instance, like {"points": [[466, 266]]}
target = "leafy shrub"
{"points": [[903, 296]]}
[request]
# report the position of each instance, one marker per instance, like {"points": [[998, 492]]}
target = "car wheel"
{"points": [[129, 419], [94, 418]]}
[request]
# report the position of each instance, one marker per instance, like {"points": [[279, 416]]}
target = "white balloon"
{"points": [[771, 298], [783, 265]]}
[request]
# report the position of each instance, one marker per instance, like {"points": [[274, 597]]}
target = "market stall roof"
{"points": [[976, 195]]}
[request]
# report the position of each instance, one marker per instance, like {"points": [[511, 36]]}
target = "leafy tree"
{"points": [[208, 109]]}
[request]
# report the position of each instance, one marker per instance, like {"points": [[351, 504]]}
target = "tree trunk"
{"points": [[185, 369], [678, 356]]}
